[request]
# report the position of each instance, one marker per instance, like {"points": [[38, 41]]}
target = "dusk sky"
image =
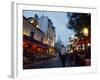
{"points": [[59, 20]]}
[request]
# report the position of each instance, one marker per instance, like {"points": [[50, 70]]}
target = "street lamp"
{"points": [[85, 31], [37, 26], [83, 48], [88, 44], [71, 51]]}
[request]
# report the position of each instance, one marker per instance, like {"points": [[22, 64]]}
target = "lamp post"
{"points": [[85, 31]]}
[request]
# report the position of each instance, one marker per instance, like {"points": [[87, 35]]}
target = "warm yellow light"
{"points": [[32, 21], [71, 51], [46, 42], [85, 31], [83, 45], [77, 47], [76, 37], [25, 33], [83, 48], [88, 44], [37, 26]]}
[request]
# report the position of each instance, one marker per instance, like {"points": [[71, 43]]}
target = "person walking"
{"points": [[63, 54]]}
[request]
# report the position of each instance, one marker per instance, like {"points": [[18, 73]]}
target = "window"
{"points": [[32, 35], [42, 39]]}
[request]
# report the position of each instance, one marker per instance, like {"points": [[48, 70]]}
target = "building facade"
{"points": [[47, 27], [38, 37], [33, 31]]}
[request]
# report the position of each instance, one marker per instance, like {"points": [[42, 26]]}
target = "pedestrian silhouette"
{"points": [[63, 54]]}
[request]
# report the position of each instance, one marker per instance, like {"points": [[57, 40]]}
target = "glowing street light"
{"points": [[37, 26], [85, 31], [83, 45], [83, 48], [88, 44], [71, 51], [77, 48]]}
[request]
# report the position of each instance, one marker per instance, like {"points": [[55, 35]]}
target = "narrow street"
{"points": [[46, 36], [50, 63]]}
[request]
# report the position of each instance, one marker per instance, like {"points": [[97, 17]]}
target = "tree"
{"points": [[77, 21]]}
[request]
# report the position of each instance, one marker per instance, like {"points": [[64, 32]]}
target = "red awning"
{"points": [[84, 41]]}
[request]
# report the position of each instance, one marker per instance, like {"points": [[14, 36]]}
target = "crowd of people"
{"points": [[74, 59]]}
